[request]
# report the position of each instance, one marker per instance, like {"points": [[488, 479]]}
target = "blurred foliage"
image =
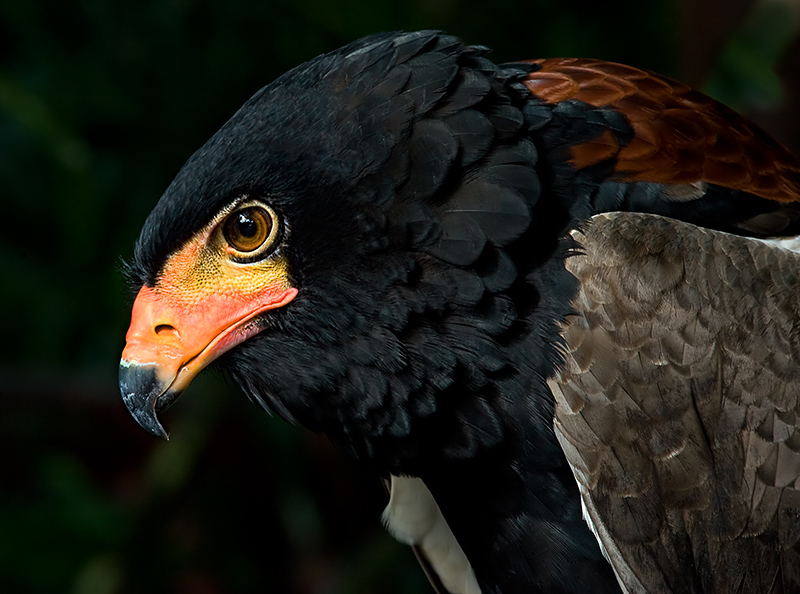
{"points": [[745, 77], [100, 104]]}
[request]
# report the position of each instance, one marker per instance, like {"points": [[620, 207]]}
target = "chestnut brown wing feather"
{"points": [[680, 136], [677, 404]]}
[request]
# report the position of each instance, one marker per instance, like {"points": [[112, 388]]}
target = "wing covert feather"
{"points": [[679, 134], [677, 404]]}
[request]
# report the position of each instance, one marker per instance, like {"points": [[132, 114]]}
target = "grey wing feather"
{"points": [[677, 405]]}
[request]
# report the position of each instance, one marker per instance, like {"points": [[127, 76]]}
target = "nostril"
{"points": [[166, 330]]}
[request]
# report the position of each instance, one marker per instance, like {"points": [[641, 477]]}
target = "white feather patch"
{"points": [[791, 244], [414, 518]]}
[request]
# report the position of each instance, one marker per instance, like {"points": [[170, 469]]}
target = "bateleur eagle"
{"points": [[533, 297]]}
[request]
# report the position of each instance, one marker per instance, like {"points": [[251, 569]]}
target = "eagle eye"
{"points": [[250, 230]]}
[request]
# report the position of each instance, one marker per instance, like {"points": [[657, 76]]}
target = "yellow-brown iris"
{"points": [[250, 230]]}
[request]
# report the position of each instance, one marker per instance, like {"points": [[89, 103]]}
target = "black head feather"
{"points": [[427, 245], [402, 168]]}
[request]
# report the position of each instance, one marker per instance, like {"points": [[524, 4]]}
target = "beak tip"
{"points": [[141, 390], [144, 415]]}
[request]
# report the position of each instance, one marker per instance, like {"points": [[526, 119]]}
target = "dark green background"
{"points": [[100, 104]]}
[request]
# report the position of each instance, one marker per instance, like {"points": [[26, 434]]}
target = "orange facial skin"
{"points": [[181, 339], [206, 300]]}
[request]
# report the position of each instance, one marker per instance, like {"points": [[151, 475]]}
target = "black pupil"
{"points": [[246, 226]]}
